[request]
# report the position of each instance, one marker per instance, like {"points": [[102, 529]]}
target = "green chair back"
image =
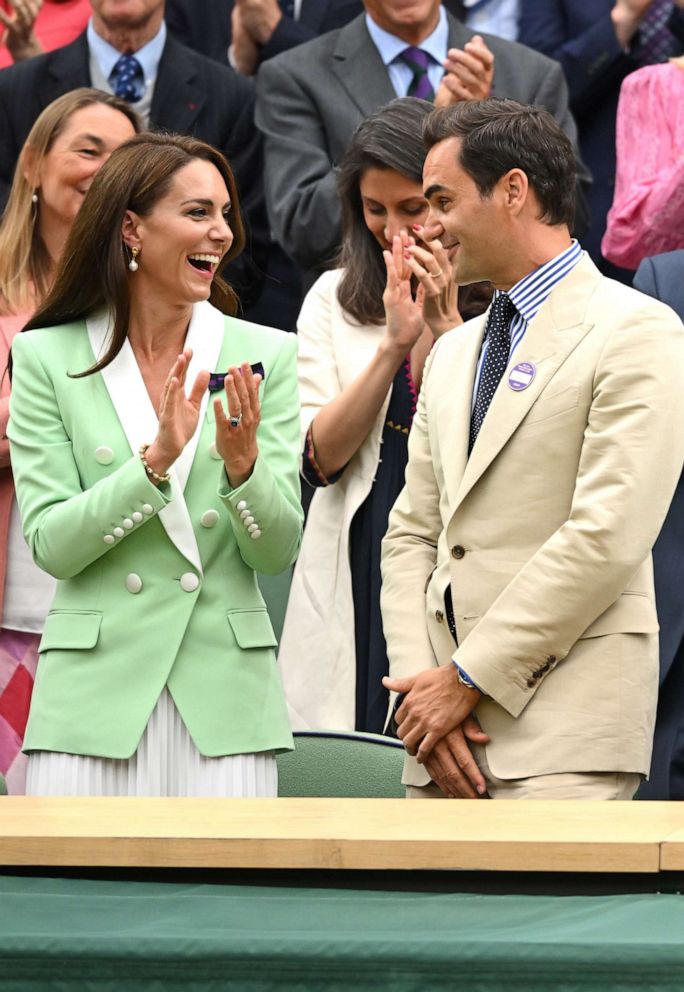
{"points": [[342, 764]]}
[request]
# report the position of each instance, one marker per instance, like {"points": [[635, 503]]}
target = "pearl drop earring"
{"points": [[133, 265], [34, 198]]}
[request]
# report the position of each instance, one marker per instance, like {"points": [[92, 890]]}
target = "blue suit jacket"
{"points": [[205, 24], [663, 278]]}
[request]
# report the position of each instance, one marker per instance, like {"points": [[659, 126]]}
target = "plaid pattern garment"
{"points": [[18, 661]]}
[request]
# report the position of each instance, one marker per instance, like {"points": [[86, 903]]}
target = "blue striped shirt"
{"points": [[528, 295]]}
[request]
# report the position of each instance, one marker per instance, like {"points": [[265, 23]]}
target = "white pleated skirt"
{"points": [[166, 763]]}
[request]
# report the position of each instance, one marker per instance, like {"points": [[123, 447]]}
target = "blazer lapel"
{"points": [[550, 338], [453, 410], [178, 97], [357, 64], [138, 419]]}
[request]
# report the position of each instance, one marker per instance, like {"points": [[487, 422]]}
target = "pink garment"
{"points": [[18, 650], [647, 216], [9, 326], [57, 24], [18, 661]]}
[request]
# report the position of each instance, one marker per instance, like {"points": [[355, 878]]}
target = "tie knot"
{"points": [[415, 58], [127, 79], [503, 309]]}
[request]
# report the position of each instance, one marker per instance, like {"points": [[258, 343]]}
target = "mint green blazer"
{"points": [[157, 586]]}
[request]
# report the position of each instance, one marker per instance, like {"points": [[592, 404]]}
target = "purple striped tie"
{"points": [[418, 61]]}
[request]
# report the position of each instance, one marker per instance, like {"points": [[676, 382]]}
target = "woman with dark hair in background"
{"points": [[364, 333], [66, 146], [154, 441]]}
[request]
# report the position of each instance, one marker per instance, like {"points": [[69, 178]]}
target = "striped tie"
{"points": [[496, 359], [418, 61]]}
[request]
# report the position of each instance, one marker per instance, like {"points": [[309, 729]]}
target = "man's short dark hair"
{"points": [[500, 135]]}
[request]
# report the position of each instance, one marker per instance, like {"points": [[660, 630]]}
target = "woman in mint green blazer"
{"points": [[154, 442]]}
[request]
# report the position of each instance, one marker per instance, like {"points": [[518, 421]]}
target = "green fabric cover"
{"points": [[60, 935], [350, 765]]}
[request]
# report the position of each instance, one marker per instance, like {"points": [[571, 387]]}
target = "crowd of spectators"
{"points": [[298, 95]]}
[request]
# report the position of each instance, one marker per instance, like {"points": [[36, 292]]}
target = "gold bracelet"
{"points": [[148, 468]]}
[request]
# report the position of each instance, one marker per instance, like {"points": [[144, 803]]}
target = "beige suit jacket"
{"points": [[545, 532]]}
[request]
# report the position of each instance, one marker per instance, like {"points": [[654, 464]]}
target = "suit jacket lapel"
{"points": [[69, 68], [550, 338], [178, 95], [454, 403], [358, 66], [136, 414]]}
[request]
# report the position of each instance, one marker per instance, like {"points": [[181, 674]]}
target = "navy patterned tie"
{"points": [[418, 61], [656, 41], [127, 79], [496, 359]]}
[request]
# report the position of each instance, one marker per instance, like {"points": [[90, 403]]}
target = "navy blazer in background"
{"points": [[205, 24], [580, 35], [663, 278]]}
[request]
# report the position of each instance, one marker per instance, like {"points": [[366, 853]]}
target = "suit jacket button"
{"points": [[551, 660], [104, 455], [457, 551], [133, 583], [109, 539], [128, 523], [118, 532], [147, 509], [137, 517], [530, 683], [209, 518], [242, 505], [189, 582], [439, 616], [255, 534]]}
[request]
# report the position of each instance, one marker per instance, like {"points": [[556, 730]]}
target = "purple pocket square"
{"points": [[216, 378]]}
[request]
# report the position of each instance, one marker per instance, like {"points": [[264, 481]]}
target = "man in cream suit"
{"points": [[548, 440]]}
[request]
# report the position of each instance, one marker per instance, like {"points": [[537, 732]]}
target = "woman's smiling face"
{"points": [[390, 202], [183, 238]]}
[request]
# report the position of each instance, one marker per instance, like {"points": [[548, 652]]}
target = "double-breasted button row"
{"points": [[248, 519], [541, 671], [128, 523], [189, 582]]}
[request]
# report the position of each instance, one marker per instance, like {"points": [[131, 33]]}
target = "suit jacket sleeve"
{"points": [[646, 278], [64, 524], [591, 60], [300, 184], [625, 481], [272, 492]]}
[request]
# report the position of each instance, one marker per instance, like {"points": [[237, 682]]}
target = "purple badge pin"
{"points": [[521, 376]]}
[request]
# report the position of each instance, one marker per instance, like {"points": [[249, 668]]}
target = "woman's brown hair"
{"points": [[391, 138], [25, 266], [94, 269]]}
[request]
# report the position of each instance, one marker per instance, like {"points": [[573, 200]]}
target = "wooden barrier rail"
{"points": [[342, 834]]}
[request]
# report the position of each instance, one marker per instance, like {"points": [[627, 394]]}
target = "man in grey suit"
{"points": [[311, 99]]}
